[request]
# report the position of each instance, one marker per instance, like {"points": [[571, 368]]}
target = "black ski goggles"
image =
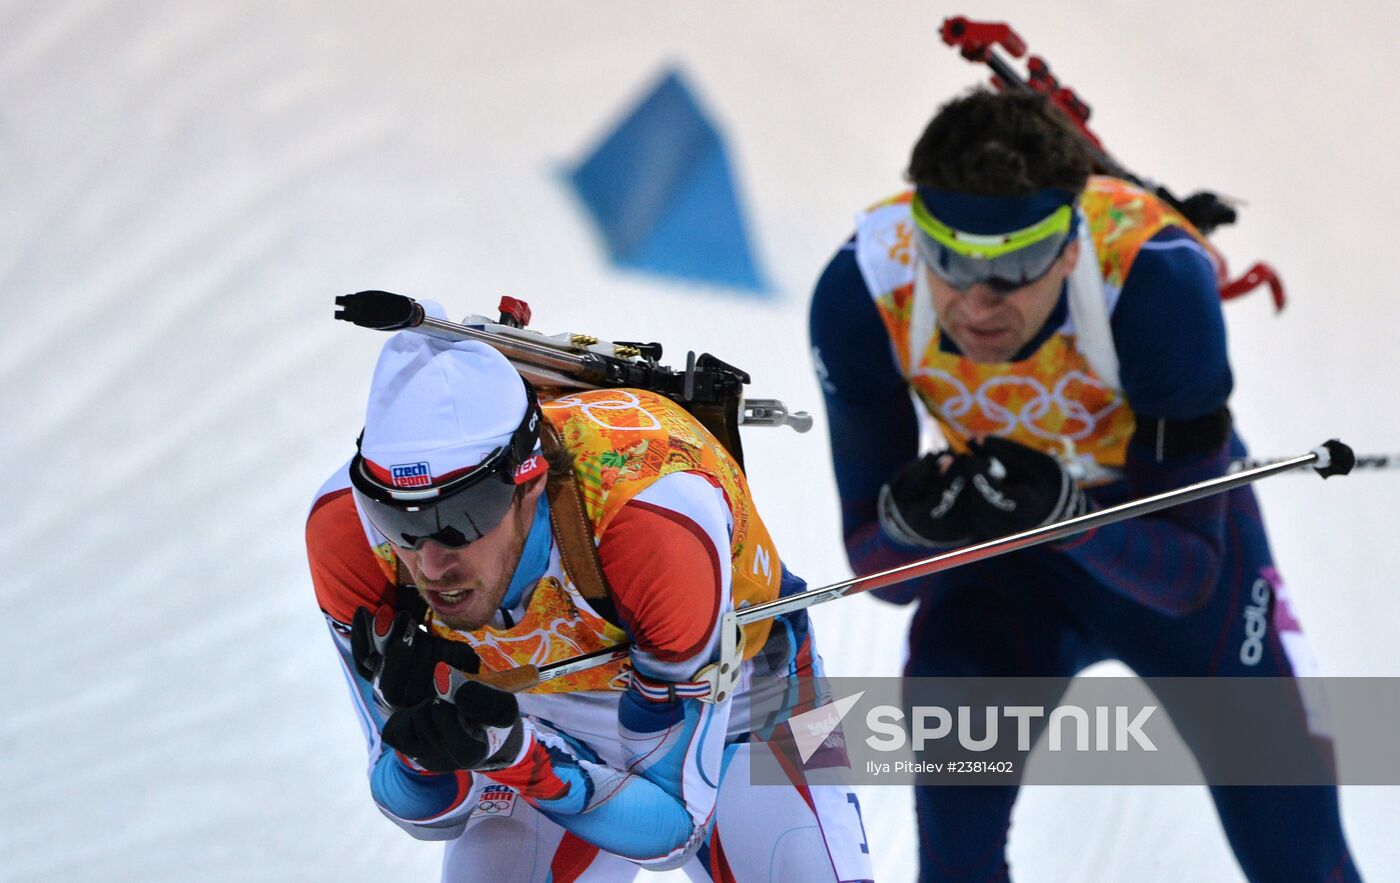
{"points": [[460, 511], [1003, 262]]}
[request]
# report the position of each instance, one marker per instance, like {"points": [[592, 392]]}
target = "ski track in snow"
{"points": [[185, 187]]}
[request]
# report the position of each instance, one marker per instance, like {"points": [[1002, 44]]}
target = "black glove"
{"points": [[478, 729], [1014, 488], [397, 657], [926, 504]]}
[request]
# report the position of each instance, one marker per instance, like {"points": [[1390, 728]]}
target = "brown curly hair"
{"points": [[1000, 144]]}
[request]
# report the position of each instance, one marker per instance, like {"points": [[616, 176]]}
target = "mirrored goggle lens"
{"points": [[1003, 273], [455, 520]]}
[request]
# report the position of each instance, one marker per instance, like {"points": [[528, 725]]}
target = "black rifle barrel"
{"points": [[1110, 166]]}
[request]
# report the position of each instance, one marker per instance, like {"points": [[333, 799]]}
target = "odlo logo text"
{"points": [[1256, 622]]}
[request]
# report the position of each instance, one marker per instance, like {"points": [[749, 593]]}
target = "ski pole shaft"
{"points": [[1330, 458], [1363, 461], [525, 677]]}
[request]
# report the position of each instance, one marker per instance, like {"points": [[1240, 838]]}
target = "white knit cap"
{"points": [[438, 407]]}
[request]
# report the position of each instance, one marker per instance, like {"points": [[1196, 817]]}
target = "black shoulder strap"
{"points": [[1169, 439]]}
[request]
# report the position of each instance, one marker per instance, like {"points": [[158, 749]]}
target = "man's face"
{"points": [[991, 327], [465, 586]]}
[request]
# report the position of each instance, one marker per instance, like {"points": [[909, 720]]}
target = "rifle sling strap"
{"points": [[574, 533]]}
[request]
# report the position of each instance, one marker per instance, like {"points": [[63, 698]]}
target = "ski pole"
{"points": [[1363, 461], [1331, 458]]}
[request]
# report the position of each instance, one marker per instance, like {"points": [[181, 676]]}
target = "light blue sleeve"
{"points": [[658, 811], [430, 806]]}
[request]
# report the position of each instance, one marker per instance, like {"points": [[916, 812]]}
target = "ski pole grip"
{"points": [[1333, 458], [379, 309]]}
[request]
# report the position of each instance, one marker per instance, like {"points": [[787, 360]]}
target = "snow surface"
{"points": [[185, 186]]}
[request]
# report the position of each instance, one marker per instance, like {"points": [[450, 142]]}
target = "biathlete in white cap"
{"points": [[479, 527]]}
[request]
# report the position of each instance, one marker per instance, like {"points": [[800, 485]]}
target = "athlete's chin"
{"points": [[462, 609], [464, 623], [988, 346]]}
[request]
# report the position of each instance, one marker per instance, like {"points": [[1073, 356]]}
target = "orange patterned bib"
{"points": [[622, 441], [1053, 401]]}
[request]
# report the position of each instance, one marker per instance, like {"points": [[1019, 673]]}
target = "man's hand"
{"points": [[398, 657], [1013, 488], [479, 728], [925, 504]]}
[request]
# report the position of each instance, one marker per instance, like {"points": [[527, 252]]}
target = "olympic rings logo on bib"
{"points": [[624, 404], [1003, 405]]}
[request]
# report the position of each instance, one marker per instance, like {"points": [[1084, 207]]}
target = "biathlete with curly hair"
{"points": [[1064, 332]]}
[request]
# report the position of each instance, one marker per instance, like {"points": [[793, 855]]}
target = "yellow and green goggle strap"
{"points": [[988, 246]]}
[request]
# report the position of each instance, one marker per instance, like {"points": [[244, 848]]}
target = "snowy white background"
{"points": [[185, 186]]}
